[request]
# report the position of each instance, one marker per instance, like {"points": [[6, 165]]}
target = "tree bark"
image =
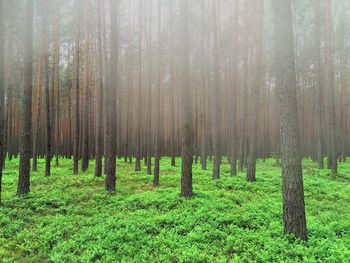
{"points": [[318, 86], [77, 92], [26, 127], [330, 87], [2, 91], [255, 94], [292, 178], [110, 180], [216, 97], [186, 122], [100, 90]]}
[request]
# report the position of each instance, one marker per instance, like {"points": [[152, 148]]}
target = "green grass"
{"points": [[72, 219]]}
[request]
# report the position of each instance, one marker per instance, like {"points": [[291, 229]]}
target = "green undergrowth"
{"points": [[70, 218]]}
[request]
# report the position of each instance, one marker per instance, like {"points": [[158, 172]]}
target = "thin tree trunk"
{"points": [[26, 127], [56, 78], [99, 110], [158, 105], [216, 96], [186, 122], [235, 65], [332, 151], [2, 91], [255, 95], [77, 92], [110, 180], [318, 86]]}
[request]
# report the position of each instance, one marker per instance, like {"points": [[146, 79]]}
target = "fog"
{"points": [[223, 84], [223, 65]]}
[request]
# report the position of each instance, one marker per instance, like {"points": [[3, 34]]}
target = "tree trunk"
{"points": [[85, 138], [255, 94], [158, 105], [110, 180], [216, 97], [332, 151], [26, 127], [56, 77], [100, 90], [77, 91], [318, 87], [186, 122], [47, 90], [233, 106], [292, 178], [2, 91]]}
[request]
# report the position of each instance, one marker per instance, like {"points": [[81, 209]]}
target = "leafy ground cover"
{"points": [[72, 219]]}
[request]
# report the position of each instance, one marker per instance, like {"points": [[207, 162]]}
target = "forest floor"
{"points": [[72, 219]]}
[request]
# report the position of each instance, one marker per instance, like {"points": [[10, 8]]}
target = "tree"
{"points": [[2, 92], [318, 86], [56, 74], [235, 66], [255, 94], [86, 90], [216, 97], [202, 93], [111, 101], [172, 87], [77, 92], [330, 87], [186, 123], [244, 95], [158, 103], [138, 87], [46, 85], [26, 127], [100, 90], [292, 178]]}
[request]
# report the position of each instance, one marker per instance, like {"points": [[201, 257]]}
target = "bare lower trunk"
{"points": [[186, 123], [292, 178], [26, 127]]}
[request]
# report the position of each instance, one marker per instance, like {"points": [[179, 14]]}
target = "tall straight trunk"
{"points": [[37, 109], [344, 93], [172, 83], [330, 87], [292, 177], [85, 135], [10, 91], [186, 122], [99, 103], [158, 104], [26, 127], [69, 121], [216, 97], [111, 106], [139, 96], [77, 92], [105, 77], [255, 95], [235, 65], [46, 87], [2, 91], [203, 115], [56, 78], [318, 86], [244, 95], [149, 105]]}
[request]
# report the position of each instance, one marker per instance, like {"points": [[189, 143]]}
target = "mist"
{"points": [[218, 87]]}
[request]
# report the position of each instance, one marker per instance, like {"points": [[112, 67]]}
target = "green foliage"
{"points": [[71, 219]]}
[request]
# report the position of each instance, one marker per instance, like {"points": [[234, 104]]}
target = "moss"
{"points": [[71, 219]]}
